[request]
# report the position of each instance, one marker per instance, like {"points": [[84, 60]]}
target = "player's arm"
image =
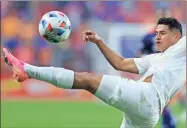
{"points": [[118, 62]]}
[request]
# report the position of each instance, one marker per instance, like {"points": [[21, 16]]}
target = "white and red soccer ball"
{"points": [[55, 27]]}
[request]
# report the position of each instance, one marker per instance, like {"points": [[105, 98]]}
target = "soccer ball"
{"points": [[55, 27]]}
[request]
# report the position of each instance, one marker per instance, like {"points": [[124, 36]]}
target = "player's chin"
{"points": [[159, 49]]}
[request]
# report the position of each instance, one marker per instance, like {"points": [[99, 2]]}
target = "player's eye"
{"points": [[163, 33]]}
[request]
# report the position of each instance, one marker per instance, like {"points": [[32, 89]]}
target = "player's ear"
{"points": [[177, 35]]}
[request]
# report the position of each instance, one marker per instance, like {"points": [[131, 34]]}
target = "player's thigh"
{"points": [[107, 88], [138, 97], [128, 95]]}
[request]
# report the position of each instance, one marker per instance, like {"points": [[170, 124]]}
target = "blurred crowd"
{"points": [[20, 20]]}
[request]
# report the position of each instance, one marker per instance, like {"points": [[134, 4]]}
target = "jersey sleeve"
{"points": [[143, 63]]}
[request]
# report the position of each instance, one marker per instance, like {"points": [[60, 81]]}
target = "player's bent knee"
{"points": [[87, 81], [93, 81]]}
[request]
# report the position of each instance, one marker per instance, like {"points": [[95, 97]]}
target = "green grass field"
{"points": [[60, 114]]}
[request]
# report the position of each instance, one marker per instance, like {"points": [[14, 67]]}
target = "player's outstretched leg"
{"points": [[59, 77], [138, 100]]}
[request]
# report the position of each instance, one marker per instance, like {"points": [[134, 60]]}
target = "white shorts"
{"points": [[138, 100]]}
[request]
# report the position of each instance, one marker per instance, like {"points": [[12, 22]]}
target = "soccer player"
{"points": [[148, 43], [142, 101]]}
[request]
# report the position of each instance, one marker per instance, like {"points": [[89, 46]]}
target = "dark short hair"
{"points": [[171, 22]]}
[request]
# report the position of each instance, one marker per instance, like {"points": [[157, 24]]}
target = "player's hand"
{"points": [[91, 36]]}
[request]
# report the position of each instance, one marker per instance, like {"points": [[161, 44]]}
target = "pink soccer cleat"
{"points": [[16, 65]]}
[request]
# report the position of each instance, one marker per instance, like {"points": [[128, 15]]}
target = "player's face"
{"points": [[164, 37]]}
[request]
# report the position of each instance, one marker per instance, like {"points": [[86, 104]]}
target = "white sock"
{"points": [[60, 77]]}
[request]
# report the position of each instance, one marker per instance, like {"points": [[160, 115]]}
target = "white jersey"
{"points": [[168, 69], [143, 102]]}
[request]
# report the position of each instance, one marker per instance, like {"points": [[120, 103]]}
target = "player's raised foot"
{"points": [[16, 65]]}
